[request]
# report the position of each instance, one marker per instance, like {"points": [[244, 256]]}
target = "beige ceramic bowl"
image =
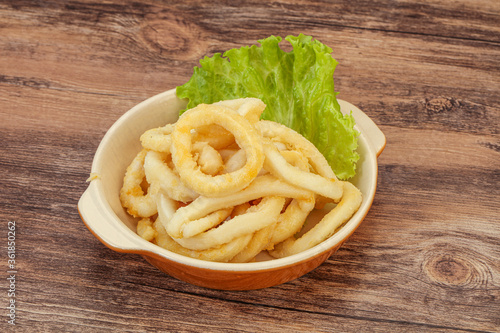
{"points": [[101, 211]]}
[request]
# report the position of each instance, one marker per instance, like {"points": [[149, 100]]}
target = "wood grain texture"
{"points": [[426, 258]]}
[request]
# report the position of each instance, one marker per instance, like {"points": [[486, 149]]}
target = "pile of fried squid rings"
{"points": [[222, 185]]}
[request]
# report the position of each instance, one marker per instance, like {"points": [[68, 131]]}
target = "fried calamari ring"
{"points": [[245, 135], [325, 228], [279, 167], [295, 158], [217, 136], [254, 219], [260, 240], [262, 186], [251, 108], [288, 223], [158, 139], [235, 161], [146, 230], [221, 253], [207, 158], [132, 195], [158, 172], [291, 220], [205, 223], [280, 133]]}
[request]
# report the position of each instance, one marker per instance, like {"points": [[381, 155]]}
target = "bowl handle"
{"points": [[102, 223], [375, 136]]}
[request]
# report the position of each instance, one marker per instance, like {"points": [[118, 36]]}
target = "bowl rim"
{"points": [[138, 245]]}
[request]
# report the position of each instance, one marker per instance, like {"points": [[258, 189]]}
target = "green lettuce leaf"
{"points": [[296, 86]]}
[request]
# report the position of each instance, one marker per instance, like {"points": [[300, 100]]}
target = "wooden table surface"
{"points": [[427, 256]]}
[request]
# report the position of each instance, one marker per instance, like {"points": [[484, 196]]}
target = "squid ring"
{"points": [[259, 242], [221, 253], [279, 167], [325, 228], [158, 172], [281, 133], [292, 219], [251, 108], [254, 219], [218, 137], [208, 158], [245, 136], [132, 195], [214, 135], [262, 186], [207, 222], [158, 139], [287, 224]]}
